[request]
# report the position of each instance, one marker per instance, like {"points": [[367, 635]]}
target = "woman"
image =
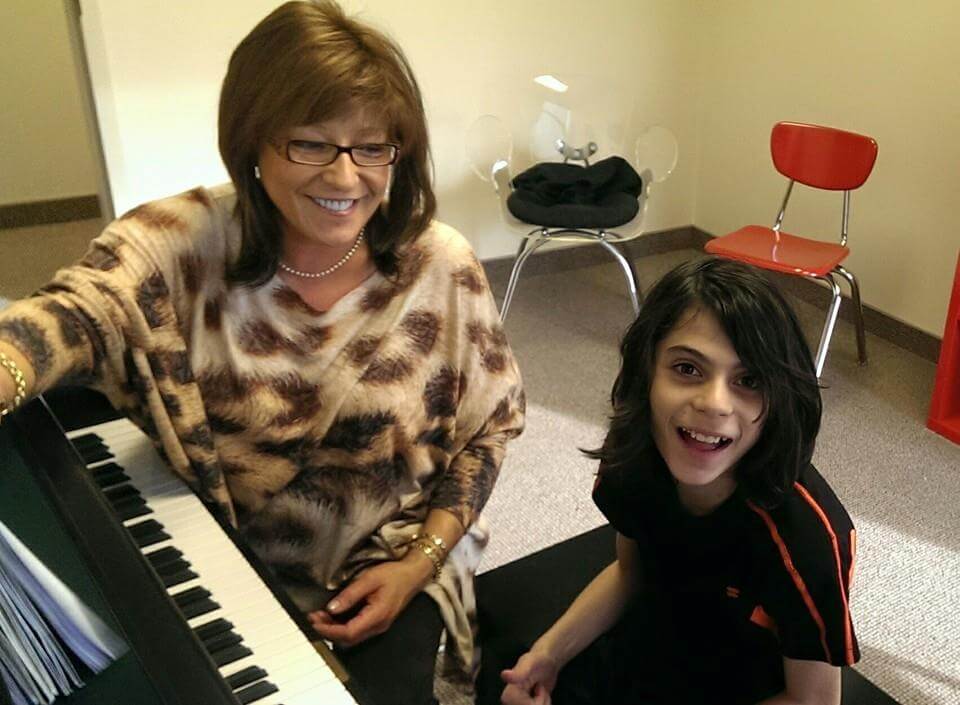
{"points": [[314, 354]]}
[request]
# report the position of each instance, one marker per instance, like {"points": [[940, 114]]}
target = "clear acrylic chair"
{"points": [[555, 136]]}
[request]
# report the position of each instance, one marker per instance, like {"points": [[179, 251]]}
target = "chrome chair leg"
{"points": [[858, 313], [628, 271], [523, 252], [828, 324]]}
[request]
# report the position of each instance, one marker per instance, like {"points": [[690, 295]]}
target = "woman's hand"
{"points": [[531, 681], [381, 593]]}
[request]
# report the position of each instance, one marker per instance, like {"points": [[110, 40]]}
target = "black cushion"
{"points": [[553, 194]]}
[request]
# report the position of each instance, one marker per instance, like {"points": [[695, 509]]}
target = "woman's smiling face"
{"points": [[706, 409], [325, 205]]}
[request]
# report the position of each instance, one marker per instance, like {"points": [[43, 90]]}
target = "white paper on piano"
{"points": [[34, 633], [22, 691], [23, 651], [25, 648], [94, 643], [15, 674]]}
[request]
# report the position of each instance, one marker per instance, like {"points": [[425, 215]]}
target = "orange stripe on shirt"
{"points": [[844, 600], [794, 574], [853, 556], [762, 619]]}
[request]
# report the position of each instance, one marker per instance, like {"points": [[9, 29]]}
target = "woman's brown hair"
{"points": [[307, 62]]}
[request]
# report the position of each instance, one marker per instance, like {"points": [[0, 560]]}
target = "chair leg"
{"points": [[523, 252], [828, 324], [858, 313], [628, 271]]}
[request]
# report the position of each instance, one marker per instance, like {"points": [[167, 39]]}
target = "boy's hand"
{"points": [[531, 681]]}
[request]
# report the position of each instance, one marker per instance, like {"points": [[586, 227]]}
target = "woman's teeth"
{"points": [[334, 204]]}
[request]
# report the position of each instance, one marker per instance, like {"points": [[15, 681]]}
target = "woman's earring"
{"points": [[256, 171]]}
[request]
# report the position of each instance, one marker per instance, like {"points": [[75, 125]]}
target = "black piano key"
{"points": [[174, 566], [116, 494], [222, 641], [178, 578], [212, 628], [133, 511], [95, 454], [129, 501], [164, 555], [124, 497], [124, 502], [107, 467], [245, 677], [231, 654], [110, 478], [148, 532], [86, 440], [195, 609], [191, 595], [256, 692]]}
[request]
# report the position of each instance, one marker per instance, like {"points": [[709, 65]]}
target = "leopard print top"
{"points": [[325, 437]]}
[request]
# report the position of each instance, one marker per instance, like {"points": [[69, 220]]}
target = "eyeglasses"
{"points": [[322, 153]]}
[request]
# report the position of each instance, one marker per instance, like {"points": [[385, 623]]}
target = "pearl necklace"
{"points": [[329, 270]]}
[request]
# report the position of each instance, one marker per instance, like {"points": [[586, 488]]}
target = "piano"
{"points": [[203, 620]]}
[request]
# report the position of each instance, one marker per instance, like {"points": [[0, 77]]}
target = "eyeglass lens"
{"points": [[323, 153]]}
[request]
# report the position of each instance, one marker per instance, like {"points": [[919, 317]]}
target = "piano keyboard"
{"points": [[257, 647]]}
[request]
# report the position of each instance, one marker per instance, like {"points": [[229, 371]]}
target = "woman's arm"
{"points": [[594, 611], [808, 683], [8, 388]]}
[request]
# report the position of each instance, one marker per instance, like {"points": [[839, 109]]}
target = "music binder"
{"points": [[44, 629]]}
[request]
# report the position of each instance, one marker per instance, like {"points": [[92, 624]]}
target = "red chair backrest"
{"points": [[822, 157]]}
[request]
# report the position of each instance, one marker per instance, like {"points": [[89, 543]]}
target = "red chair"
{"points": [[824, 158]]}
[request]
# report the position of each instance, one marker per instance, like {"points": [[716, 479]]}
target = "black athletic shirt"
{"points": [[729, 594]]}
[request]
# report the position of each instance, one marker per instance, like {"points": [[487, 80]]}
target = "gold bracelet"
{"points": [[19, 380], [432, 539], [431, 550]]}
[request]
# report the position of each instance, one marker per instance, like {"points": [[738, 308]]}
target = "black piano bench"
{"points": [[520, 600]]}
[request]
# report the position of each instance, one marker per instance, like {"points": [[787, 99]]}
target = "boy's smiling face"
{"points": [[706, 410]]}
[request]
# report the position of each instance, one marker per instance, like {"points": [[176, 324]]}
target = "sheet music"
{"points": [[39, 615]]}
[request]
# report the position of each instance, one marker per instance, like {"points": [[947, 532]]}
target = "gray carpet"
{"points": [[900, 481]]}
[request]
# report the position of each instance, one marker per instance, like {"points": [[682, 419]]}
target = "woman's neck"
{"points": [[314, 258], [321, 293]]}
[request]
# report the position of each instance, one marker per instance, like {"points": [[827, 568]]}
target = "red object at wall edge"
{"points": [[945, 403]]}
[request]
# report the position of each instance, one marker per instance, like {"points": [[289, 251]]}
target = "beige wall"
{"points": [[887, 70], [718, 73], [44, 150], [479, 57]]}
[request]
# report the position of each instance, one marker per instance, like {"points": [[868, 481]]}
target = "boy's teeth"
{"points": [[334, 205], [702, 437]]}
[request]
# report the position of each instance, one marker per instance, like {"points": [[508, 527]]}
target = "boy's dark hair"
{"points": [[766, 335]]}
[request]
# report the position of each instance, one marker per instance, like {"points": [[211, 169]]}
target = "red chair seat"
{"points": [[763, 247]]}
